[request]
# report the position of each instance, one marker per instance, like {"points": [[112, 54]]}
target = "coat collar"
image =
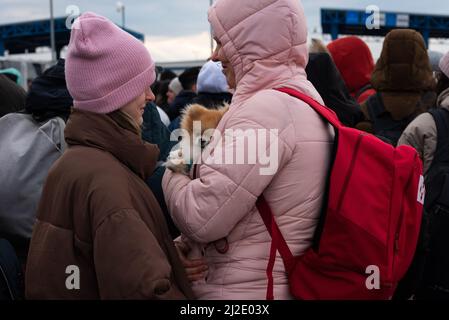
{"points": [[100, 131]]}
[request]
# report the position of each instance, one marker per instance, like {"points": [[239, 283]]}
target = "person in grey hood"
{"points": [[427, 278], [422, 132], [30, 142]]}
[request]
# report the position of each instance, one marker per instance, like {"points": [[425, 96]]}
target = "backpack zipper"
{"points": [[7, 283], [397, 233], [396, 241]]}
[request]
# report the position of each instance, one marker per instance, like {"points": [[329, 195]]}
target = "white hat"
{"points": [[211, 78], [175, 86]]}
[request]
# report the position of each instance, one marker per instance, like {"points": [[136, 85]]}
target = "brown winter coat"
{"points": [[403, 76], [97, 213]]}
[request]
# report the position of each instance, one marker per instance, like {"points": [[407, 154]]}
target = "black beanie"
{"points": [[48, 96], [189, 77]]}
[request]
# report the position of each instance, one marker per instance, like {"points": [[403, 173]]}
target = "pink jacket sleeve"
{"points": [[208, 208]]}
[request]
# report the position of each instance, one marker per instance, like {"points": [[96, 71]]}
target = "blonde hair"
{"points": [[317, 46]]}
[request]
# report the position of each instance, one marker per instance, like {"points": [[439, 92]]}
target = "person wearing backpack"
{"points": [[30, 142], [259, 50], [429, 135], [422, 132], [404, 83], [100, 233]]}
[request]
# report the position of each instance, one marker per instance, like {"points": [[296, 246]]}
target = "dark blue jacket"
{"points": [[183, 99], [155, 132]]}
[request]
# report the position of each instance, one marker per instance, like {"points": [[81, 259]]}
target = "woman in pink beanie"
{"points": [[100, 232]]}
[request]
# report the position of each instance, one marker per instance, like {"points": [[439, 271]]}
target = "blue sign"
{"points": [[352, 17], [390, 20]]}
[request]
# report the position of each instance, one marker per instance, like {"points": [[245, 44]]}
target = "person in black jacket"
{"points": [[155, 132], [188, 81]]}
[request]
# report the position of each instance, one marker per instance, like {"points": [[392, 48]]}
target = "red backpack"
{"points": [[369, 225]]}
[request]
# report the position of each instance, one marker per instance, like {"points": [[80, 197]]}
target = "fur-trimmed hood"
{"points": [[404, 64]]}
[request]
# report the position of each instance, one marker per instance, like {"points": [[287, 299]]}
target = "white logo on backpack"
{"points": [[421, 190]]}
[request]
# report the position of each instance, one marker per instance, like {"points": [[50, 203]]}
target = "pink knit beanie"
{"points": [[444, 64], [106, 67]]}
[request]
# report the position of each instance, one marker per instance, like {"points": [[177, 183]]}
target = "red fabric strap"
{"points": [[277, 240], [277, 243], [323, 111]]}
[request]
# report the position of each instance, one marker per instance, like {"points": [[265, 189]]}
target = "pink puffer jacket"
{"points": [[265, 41]]}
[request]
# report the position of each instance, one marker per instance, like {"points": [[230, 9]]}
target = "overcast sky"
{"points": [[178, 29]]}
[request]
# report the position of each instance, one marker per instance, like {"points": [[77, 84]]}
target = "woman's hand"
{"points": [[196, 269]]}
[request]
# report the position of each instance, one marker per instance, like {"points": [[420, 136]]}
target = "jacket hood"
{"points": [[404, 64], [324, 75], [100, 131], [265, 41], [211, 78], [354, 60], [48, 96], [443, 99]]}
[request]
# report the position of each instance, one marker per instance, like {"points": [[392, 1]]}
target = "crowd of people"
{"points": [[82, 175]]}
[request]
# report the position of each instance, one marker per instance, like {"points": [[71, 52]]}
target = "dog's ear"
{"points": [[193, 112], [223, 109]]}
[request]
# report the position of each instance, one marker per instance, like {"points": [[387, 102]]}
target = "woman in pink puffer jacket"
{"points": [[262, 45]]}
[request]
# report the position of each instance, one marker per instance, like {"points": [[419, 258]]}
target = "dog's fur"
{"points": [[209, 119]]}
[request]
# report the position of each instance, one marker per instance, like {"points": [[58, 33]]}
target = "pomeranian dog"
{"points": [[180, 158]]}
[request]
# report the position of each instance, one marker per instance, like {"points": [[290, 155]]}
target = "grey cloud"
{"points": [[187, 17]]}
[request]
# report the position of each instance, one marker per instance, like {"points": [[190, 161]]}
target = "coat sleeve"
{"points": [[129, 262], [421, 134], [208, 208]]}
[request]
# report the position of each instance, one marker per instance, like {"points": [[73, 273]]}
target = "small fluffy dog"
{"points": [[179, 159]]}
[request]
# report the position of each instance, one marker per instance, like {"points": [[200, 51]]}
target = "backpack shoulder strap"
{"points": [[278, 241], [330, 116], [323, 111], [441, 117]]}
